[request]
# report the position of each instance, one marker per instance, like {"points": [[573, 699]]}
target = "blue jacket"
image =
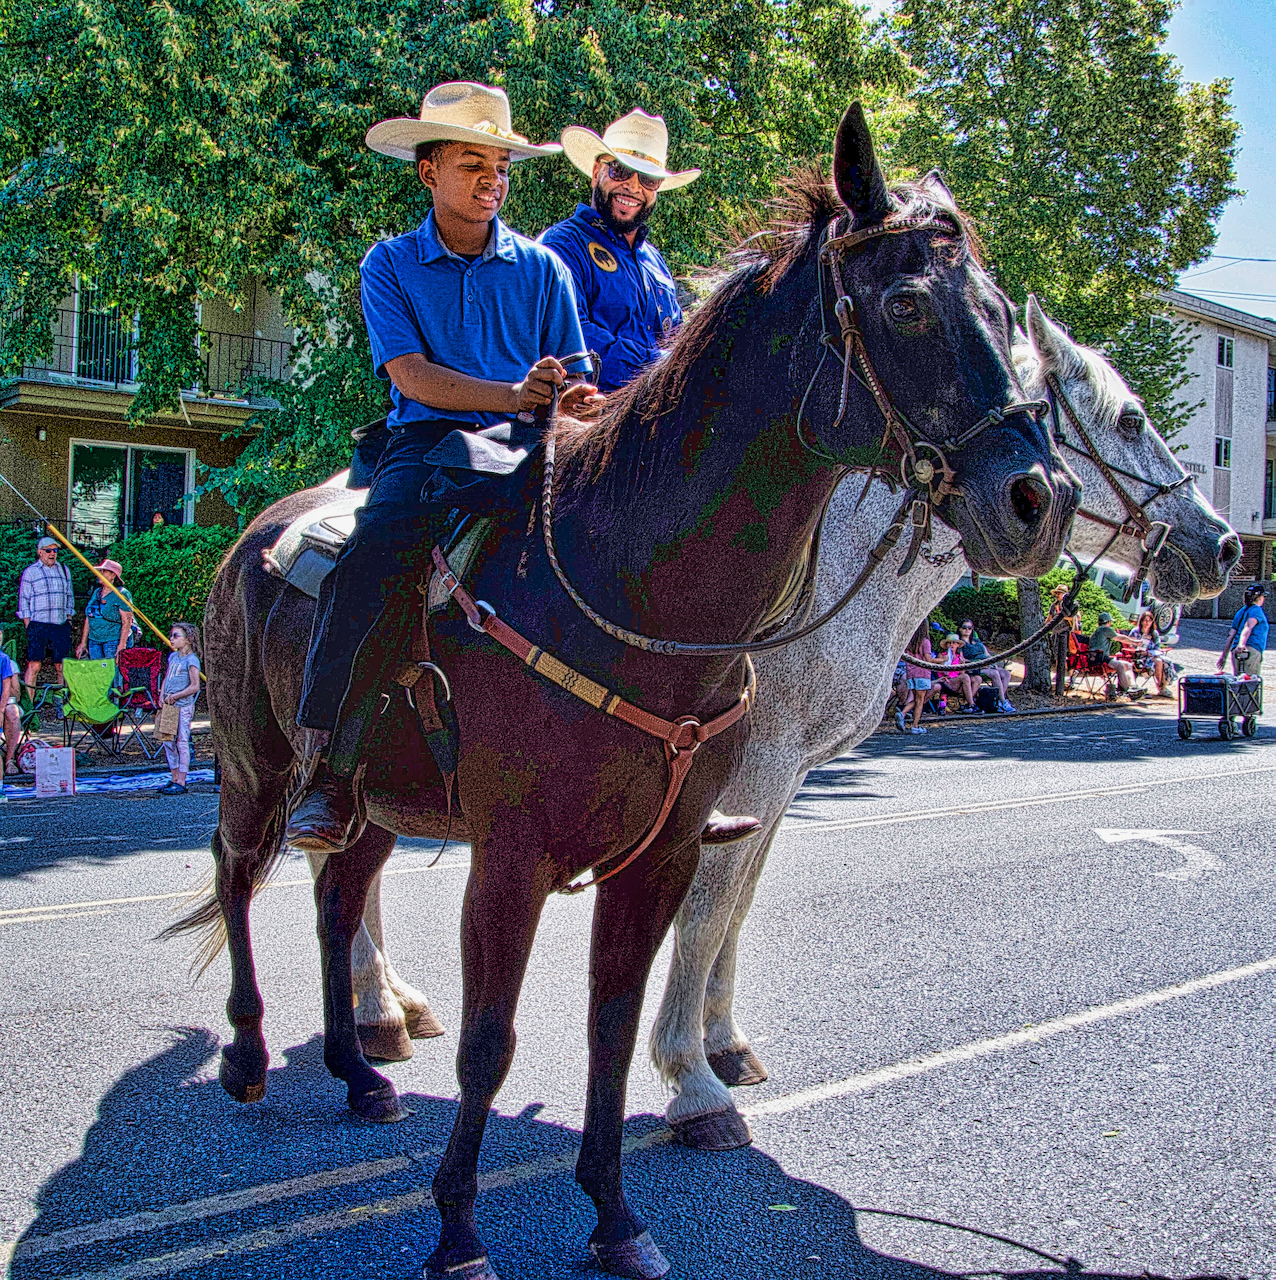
{"points": [[625, 297]]}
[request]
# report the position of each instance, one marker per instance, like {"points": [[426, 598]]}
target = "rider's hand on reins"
{"points": [[545, 377]]}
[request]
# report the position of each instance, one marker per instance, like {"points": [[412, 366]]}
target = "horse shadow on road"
{"points": [[174, 1178]]}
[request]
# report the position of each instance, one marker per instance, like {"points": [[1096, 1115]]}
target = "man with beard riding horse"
{"points": [[625, 292], [471, 323]]}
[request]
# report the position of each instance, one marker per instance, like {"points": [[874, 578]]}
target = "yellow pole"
{"points": [[104, 580], [109, 585]]}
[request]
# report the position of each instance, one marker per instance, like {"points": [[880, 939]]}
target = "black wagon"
{"points": [[1222, 698]]}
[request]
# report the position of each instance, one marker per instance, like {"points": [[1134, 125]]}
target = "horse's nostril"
{"points": [[1229, 551], [1029, 497]]}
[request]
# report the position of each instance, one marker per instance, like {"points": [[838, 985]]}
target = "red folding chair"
{"points": [[138, 697], [1091, 672]]}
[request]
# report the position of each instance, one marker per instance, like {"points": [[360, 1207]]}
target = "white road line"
{"points": [[11, 912], [796, 826], [998, 1044], [335, 1220], [214, 1206]]}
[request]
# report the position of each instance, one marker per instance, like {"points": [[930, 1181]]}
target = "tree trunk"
{"points": [[1031, 618]]}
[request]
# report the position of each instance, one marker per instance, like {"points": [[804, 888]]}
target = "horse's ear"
{"points": [[856, 173], [1056, 351], [934, 182]]}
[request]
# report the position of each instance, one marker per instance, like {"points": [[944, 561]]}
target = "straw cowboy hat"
{"points": [[459, 111], [637, 140]]}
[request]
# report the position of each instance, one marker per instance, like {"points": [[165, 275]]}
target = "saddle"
{"points": [[308, 548]]}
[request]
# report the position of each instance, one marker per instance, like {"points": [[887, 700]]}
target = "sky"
{"points": [[1214, 38]]}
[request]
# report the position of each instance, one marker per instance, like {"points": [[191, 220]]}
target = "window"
{"points": [[117, 489], [1225, 346], [1222, 452], [1269, 491], [1271, 394]]}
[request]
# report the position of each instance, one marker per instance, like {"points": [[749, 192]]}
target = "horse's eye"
{"points": [[1131, 422], [902, 309]]}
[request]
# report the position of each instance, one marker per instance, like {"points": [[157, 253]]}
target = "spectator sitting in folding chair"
{"points": [[10, 699], [972, 650], [1105, 647], [1150, 656]]}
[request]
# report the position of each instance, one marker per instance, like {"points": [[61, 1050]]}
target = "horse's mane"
{"points": [[1109, 393], [766, 250]]}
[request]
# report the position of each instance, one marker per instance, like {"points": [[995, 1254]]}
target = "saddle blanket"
{"points": [[308, 548]]}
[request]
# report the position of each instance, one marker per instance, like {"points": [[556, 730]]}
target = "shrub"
{"points": [[169, 570], [1092, 598], [994, 608], [17, 550]]}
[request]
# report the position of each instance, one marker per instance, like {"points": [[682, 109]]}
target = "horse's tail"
{"points": [[205, 919]]}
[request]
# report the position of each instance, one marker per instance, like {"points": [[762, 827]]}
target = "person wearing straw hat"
{"points": [[625, 292], [471, 324]]}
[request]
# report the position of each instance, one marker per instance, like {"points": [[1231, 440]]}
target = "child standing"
{"points": [[181, 688]]}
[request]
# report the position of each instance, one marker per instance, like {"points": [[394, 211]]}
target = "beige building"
{"points": [[65, 441], [1230, 443]]}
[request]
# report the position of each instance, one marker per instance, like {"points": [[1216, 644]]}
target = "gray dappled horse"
{"points": [[824, 695], [684, 512]]}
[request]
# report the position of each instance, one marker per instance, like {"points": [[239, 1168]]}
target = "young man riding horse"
{"points": [[471, 323]]}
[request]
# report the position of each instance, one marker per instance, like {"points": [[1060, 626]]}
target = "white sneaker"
{"points": [[917, 729], [899, 720], [1006, 708]]}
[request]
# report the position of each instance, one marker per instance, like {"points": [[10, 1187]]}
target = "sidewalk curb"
{"points": [[947, 721]]}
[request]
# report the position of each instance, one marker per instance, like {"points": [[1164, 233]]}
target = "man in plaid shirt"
{"points": [[46, 605]]}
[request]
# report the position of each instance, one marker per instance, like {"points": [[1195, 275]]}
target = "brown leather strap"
{"points": [[681, 737]]}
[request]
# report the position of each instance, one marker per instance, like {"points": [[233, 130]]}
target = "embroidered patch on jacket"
{"points": [[604, 259]]}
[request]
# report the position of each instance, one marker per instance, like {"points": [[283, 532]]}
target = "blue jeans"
{"points": [[386, 549], [103, 648]]}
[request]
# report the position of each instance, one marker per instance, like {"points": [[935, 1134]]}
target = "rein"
{"points": [[930, 476], [1152, 533]]}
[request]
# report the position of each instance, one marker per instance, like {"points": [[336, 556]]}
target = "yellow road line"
{"points": [[11, 912], [59, 915]]}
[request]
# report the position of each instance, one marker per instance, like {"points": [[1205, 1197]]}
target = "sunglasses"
{"points": [[618, 172]]}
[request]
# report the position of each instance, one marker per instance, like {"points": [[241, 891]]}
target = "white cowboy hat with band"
{"points": [[638, 141], [459, 111]]}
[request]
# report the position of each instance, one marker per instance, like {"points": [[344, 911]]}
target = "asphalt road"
{"points": [[929, 900]]}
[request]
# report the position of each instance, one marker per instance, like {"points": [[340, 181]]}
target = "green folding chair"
{"points": [[87, 707]]}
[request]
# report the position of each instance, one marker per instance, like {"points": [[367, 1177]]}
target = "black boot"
{"points": [[326, 819]]}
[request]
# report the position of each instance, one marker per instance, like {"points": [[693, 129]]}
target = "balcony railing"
{"points": [[94, 349]]}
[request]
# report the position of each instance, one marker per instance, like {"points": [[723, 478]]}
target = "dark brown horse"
{"points": [[682, 514]]}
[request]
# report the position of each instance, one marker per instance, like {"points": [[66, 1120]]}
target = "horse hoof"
{"points": [[479, 1269], [236, 1082], [737, 1067], [385, 1042], [423, 1025], [380, 1106], [637, 1258], [713, 1131]]}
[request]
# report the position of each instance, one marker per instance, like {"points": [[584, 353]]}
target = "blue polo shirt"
{"points": [[1257, 637], [492, 318], [625, 296]]}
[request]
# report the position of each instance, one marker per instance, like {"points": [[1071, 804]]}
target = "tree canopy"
{"points": [[1093, 173], [177, 151]]}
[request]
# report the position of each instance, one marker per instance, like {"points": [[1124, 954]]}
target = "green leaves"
{"points": [[1094, 175]]}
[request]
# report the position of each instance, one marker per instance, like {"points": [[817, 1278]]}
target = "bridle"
{"points": [[922, 461], [1152, 534]]}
